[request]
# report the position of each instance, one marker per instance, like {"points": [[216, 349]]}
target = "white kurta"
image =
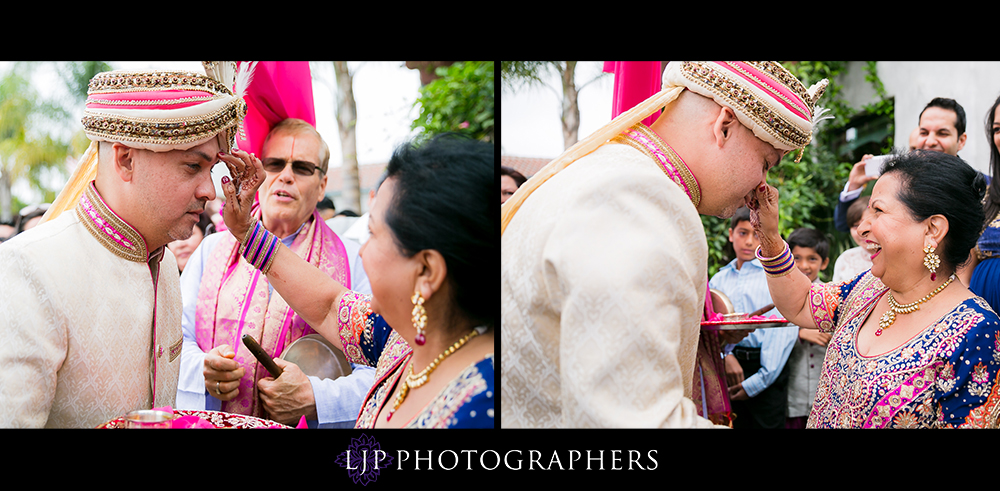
{"points": [[603, 273], [77, 324]]}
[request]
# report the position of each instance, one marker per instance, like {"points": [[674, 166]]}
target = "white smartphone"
{"points": [[874, 165]]}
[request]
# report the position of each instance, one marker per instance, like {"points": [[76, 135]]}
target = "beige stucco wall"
{"points": [[974, 84]]}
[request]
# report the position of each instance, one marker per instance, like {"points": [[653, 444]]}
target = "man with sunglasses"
{"points": [[225, 297]]}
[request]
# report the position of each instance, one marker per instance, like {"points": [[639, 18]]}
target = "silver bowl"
{"points": [[316, 356]]}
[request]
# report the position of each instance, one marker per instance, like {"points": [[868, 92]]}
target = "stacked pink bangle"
{"points": [[260, 247], [779, 265]]}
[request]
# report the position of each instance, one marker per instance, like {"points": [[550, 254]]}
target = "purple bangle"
{"points": [[779, 265], [272, 251], [260, 247], [776, 272]]}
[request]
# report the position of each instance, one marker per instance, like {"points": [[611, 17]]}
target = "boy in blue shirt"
{"points": [[755, 370], [810, 249]]}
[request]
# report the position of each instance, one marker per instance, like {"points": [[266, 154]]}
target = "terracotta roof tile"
{"points": [[525, 165], [367, 174]]}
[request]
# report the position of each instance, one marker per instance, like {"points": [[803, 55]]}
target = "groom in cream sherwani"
{"points": [[604, 257], [90, 299]]}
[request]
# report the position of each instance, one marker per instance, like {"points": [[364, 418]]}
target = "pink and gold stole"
{"points": [[710, 370], [233, 301], [645, 140]]}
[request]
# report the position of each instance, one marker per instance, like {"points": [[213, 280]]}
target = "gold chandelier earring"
{"points": [[931, 261], [419, 317]]}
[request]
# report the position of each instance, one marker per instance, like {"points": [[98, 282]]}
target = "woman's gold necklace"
{"points": [[413, 381], [894, 308]]}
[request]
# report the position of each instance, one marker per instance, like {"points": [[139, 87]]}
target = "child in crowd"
{"points": [[755, 370], [810, 249], [855, 260]]}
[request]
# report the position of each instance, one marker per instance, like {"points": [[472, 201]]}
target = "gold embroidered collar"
{"points": [[648, 142], [109, 229]]}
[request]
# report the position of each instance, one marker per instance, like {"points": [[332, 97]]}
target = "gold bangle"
{"points": [[246, 236], [779, 265], [771, 260]]}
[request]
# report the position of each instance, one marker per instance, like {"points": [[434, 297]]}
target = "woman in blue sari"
{"points": [[911, 346], [432, 248], [984, 279]]}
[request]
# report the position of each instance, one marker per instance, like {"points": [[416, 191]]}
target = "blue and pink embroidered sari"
{"points": [[944, 377], [985, 280], [467, 401]]}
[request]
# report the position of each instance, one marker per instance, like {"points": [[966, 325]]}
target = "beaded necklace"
{"points": [[894, 308], [413, 381]]}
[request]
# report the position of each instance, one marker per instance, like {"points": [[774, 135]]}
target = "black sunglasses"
{"points": [[299, 167]]}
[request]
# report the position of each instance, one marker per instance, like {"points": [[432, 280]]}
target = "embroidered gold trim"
{"points": [[759, 111], [130, 81], [164, 131], [770, 89], [782, 75], [995, 223], [161, 132], [110, 230], [682, 175], [175, 349], [169, 102]]}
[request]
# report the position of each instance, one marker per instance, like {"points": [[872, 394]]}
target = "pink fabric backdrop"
{"points": [[279, 90], [635, 81]]}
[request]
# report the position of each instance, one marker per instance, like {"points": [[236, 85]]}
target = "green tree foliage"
{"points": [[808, 189], [461, 101], [26, 152], [517, 74], [527, 74], [76, 76], [37, 130]]}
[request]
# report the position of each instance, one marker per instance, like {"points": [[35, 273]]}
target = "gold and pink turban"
{"points": [[159, 110], [162, 110], [765, 96]]}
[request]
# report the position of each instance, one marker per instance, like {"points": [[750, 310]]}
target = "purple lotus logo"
{"points": [[364, 459]]}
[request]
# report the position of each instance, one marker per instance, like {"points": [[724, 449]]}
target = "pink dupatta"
{"points": [[233, 300], [280, 89], [710, 370], [635, 81]]}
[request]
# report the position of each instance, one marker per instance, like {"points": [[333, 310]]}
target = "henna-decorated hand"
{"points": [[248, 175], [763, 204]]}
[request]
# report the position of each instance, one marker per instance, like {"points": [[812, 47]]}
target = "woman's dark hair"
{"points": [[935, 183], [443, 201], [518, 178], [29, 212], [992, 204]]}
